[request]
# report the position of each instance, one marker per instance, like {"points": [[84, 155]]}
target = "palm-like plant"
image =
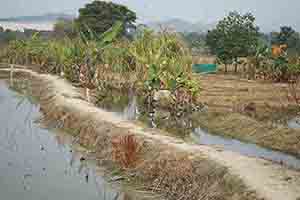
{"points": [[94, 47]]}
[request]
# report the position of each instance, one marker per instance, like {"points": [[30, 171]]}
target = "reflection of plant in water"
{"points": [[23, 92], [116, 100], [176, 119]]}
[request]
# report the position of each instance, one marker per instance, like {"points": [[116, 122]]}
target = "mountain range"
{"points": [[41, 18], [173, 24], [180, 25]]}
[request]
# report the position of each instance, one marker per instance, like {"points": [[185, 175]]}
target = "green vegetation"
{"points": [[236, 40], [6, 36], [60, 56], [166, 59], [65, 28], [196, 41], [235, 36], [99, 16], [149, 60], [288, 36], [157, 60]]}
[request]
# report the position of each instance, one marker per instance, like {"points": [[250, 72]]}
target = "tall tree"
{"points": [[234, 36], [99, 16], [195, 39], [286, 32]]}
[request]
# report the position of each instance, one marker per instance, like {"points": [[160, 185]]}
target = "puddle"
{"points": [[124, 104], [294, 123], [36, 163], [130, 108], [251, 150]]}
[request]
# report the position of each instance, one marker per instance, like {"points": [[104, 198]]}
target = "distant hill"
{"points": [[180, 25], [40, 18]]}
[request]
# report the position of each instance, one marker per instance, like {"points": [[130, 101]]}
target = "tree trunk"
{"points": [[235, 65], [225, 68]]}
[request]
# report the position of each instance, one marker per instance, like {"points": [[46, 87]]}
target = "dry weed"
{"points": [[126, 150]]}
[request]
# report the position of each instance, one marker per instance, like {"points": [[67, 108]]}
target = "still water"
{"points": [[38, 164], [130, 108], [294, 123], [252, 150]]}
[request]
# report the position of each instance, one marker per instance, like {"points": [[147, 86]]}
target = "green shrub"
{"points": [[161, 60], [164, 60]]}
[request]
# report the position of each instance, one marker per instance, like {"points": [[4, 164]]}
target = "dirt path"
{"points": [[270, 181]]}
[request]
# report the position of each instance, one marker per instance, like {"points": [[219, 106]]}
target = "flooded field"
{"points": [[36, 163], [130, 107], [252, 150]]}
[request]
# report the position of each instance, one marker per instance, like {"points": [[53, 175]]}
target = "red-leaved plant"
{"points": [[125, 150]]}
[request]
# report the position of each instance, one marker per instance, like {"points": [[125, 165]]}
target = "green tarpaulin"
{"points": [[205, 68]]}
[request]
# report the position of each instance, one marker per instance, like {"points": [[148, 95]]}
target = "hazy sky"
{"points": [[270, 14]]}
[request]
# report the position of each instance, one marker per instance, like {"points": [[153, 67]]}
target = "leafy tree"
{"points": [[10, 35], [294, 44], [286, 32], [65, 27], [235, 36], [195, 39], [288, 36], [1, 29], [100, 16]]}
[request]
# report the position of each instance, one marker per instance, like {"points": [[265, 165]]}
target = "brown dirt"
{"points": [[231, 93], [251, 111], [177, 169]]}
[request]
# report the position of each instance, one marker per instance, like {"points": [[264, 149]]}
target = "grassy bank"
{"points": [[247, 129]]}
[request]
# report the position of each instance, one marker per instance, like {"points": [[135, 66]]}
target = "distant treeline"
{"points": [[7, 35]]}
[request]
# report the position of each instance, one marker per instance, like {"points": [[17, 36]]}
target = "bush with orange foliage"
{"points": [[125, 150], [278, 50]]}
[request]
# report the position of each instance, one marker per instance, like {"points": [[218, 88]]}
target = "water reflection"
{"points": [[38, 164], [131, 111], [294, 123], [131, 107], [252, 150]]}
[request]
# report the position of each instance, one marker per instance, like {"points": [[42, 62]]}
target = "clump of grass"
{"points": [[126, 150], [179, 175]]}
